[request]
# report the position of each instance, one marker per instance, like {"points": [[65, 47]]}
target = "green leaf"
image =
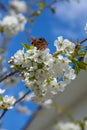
{"points": [[77, 69], [85, 118], [81, 125], [2, 50], [1, 98], [79, 65], [41, 5], [31, 21], [27, 47], [1, 29], [82, 54], [82, 65], [37, 13]]}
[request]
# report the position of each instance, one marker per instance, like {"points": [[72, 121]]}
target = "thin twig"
{"points": [[83, 41], [3, 7], [45, 7], [20, 99], [8, 75], [3, 113]]}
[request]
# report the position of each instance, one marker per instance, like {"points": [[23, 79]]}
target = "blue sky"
{"points": [[68, 21]]}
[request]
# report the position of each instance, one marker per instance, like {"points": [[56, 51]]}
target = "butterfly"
{"points": [[40, 43]]}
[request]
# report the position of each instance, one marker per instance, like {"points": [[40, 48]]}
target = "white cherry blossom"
{"points": [[2, 91], [66, 126], [22, 21], [12, 24], [64, 45], [18, 6], [19, 57], [8, 101]]}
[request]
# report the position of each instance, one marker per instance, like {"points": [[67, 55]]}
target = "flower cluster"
{"points": [[6, 102], [15, 20], [65, 45], [18, 6], [42, 72], [13, 23]]}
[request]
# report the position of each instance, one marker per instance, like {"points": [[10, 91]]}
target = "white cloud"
{"points": [[72, 11], [72, 18]]}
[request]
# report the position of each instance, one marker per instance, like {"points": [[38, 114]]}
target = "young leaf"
{"points": [[37, 13], [82, 65], [1, 29], [1, 98], [82, 54], [31, 21], [77, 69], [41, 5], [27, 47]]}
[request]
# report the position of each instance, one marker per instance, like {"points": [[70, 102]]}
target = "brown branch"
{"points": [[83, 41], [3, 7], [3, 113], [20, 99], [8, 75]]}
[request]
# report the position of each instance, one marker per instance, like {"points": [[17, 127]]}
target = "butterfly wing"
{"points": [[40, 43]]}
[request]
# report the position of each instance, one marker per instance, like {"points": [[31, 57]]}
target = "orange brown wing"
{"points": [[40, 43]]}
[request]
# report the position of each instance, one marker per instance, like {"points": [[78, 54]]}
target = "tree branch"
{"points": [[3, 113], [20, 99], [83, 41], [8, 75]]}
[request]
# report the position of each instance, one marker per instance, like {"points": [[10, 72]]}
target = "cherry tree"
{"points": [[43, 73]]}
